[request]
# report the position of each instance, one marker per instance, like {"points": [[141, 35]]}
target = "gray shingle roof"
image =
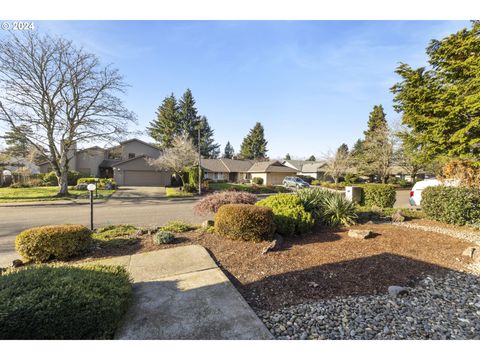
{"points": [[270, 166], [213, 165], [226, 165]]}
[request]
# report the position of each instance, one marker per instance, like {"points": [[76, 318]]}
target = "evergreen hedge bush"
{"points": [[452, 205], [290, 215], [62, 302]]}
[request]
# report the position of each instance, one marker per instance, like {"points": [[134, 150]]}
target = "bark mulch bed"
{"points": [[323, 264]]}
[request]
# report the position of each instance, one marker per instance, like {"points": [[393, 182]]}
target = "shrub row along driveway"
{"points": [[137, 212]]}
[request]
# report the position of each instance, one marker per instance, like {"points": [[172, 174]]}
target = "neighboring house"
{"points": [[315, 169], [127, 163], [230, 170], [272, 172]]}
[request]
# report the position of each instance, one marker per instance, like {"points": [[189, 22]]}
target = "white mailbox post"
{"points": [[353, 193]]}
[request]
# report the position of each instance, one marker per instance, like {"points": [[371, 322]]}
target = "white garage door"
{"points": [[146, 178]]}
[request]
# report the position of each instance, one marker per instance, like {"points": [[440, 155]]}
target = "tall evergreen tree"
{"points": [[287, 157], [188, 115], [312, 158], [208, 147], [376, 120], [254, 145], [17, 142], [229, 151], [166, 126], [343, 149]]}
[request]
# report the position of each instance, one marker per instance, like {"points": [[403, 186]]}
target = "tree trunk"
{"points": [[62, 184]]}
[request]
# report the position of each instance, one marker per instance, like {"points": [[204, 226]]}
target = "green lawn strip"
{"points": [[45, 193], [115, 235], [175, 192]]}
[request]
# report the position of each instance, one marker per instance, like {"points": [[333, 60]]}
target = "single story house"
{"points": [[314, 169], [127, 163], [231, 170], [272, 172]]}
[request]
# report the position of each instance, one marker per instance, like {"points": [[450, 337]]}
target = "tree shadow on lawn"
{"points": [[363, 276]]}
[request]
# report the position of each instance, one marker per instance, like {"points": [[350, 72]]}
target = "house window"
{"points": [[131, 155]]}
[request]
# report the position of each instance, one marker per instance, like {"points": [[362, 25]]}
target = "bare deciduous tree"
{"points": [[177, 158], [61, 95], [337, 163]]}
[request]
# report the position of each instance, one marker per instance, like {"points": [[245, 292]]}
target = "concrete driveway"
{"points": [[139, 192], [124, 210]]}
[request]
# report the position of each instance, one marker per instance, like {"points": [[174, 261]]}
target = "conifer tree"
{"points": [[254, 145], [166, 126], [229, 151]]}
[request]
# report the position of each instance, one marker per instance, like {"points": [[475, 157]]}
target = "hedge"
{"points": [[62, 302], [380, 195], [59, 242], [51, 178], [290, 215], [244, 222], [102, 182], [452, 205]]}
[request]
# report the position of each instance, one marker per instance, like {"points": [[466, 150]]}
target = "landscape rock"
{"points": [[397, 290], [17, 263], [360, 234], [422, 315], [471, 252], [274, 245], [207, 223], [398, 217]]}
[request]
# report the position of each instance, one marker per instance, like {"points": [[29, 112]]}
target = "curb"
{"points": [[47, 203]]}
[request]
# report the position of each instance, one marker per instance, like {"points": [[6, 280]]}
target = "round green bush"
{"points": [[290, 215], [380, 195], [257, 181], [45, 302], [244, 222], [59, 242], [163, 237], [452, 205]]}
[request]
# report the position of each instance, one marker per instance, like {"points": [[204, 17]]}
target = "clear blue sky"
{"points": [[311, 84]]}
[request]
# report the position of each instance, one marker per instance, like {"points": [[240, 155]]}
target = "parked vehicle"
{"points": [[295, 182], [416, 192]]}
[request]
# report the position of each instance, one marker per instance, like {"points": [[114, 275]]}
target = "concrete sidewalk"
{"points": [[180, 293]]}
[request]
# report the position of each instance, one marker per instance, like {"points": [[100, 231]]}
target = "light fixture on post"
{"points": [[91, 188]]}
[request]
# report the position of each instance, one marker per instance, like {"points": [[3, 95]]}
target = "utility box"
{"points": [[353, 193]]}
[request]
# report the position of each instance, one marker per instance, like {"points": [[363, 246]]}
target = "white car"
{"points": [[416, 192]]}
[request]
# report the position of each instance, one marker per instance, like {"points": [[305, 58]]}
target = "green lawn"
{"points": [[44, 193], [175, 192], [257, 189]]}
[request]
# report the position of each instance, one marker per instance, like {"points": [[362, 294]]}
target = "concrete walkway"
{"points": [[180, 293]]}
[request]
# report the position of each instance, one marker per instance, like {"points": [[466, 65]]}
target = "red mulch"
{"points": [[324, 264]]}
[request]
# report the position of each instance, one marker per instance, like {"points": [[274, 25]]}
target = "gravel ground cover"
{"points": [[438, 307]]}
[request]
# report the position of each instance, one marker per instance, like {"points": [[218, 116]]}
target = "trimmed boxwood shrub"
{"points": [[62, 302], [50, 178], [380, 195], [452, 205], [59, 242], [257, 181], [102, 182], [244, 222], [290, 215]]}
